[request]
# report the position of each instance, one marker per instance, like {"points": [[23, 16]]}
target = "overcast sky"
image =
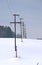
{"points": [[30, 10]]}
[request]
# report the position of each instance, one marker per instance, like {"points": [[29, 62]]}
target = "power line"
{"points": [[10, 10]]}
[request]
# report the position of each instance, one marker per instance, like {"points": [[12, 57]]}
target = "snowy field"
{"points": [[29, 52]]}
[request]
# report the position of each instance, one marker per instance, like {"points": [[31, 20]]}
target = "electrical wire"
{"points": [[8, 4]]}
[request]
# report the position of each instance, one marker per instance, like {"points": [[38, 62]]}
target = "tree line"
{"points": [[6, 32]]}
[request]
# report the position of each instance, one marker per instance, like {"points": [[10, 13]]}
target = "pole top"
{"points": [[15, 14]]}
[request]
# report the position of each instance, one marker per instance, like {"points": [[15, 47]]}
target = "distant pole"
{"points": [[24, 31], [21, 28]]}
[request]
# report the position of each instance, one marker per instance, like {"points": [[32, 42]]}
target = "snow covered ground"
{"points": [[29, 52]]}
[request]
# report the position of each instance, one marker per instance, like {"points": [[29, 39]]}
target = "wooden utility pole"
{"points": [[21, 29], [24, 31], [15, 30]]}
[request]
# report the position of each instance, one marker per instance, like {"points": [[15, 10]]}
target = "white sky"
{"points": [[30, 10]]}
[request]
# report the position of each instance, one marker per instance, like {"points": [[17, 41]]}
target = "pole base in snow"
{"points": [[16, 52], [21, 40]]}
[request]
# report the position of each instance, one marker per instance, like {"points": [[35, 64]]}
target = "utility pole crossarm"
{"points": [[16, 15], [16, 22]]}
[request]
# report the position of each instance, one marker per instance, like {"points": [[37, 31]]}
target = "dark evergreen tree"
{"points": [[6, 32]]}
